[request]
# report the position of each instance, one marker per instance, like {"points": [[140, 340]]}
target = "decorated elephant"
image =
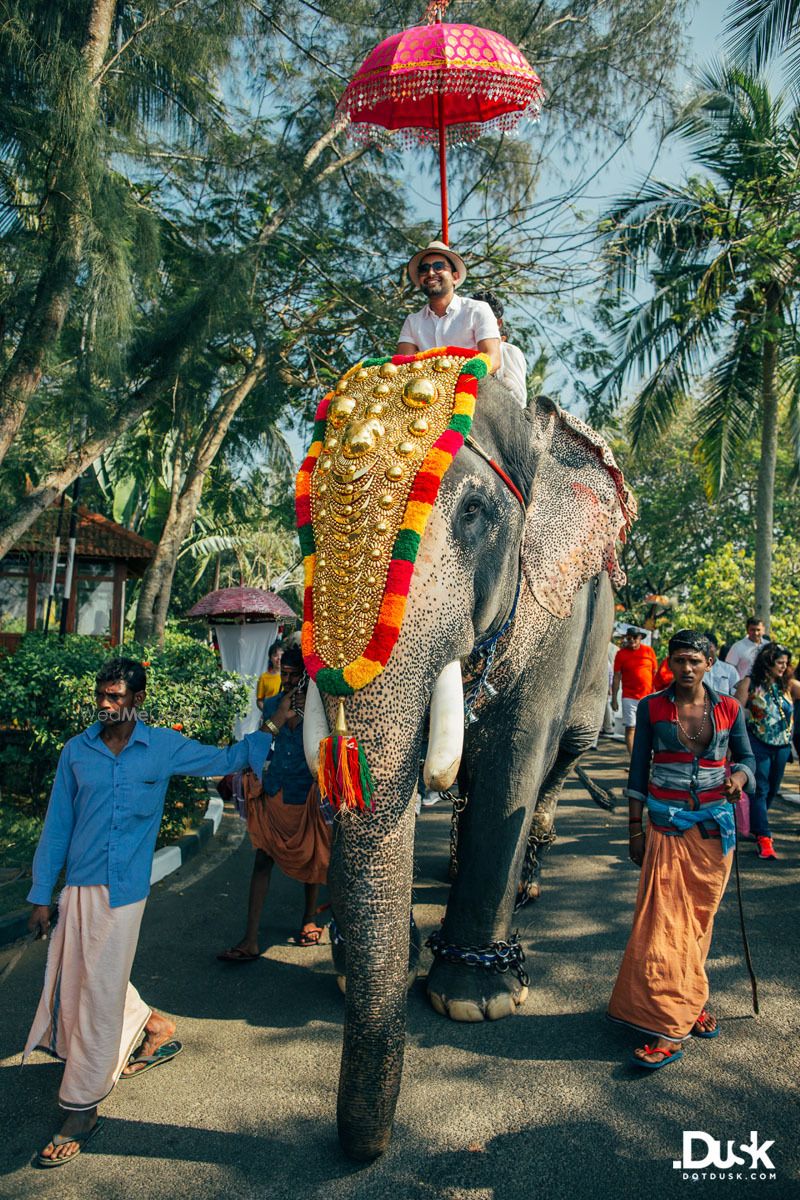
{"points": [[442, 525]]}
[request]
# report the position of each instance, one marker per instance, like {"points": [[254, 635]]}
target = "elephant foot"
{"points": [[471, 994]]}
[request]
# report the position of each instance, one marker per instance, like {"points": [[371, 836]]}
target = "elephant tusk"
{"points": [[315, 726], [446, 740]]}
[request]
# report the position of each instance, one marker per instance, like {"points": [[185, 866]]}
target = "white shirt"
{"points": [[513, 372], [742, 655], [465, 322], [723, 678]]}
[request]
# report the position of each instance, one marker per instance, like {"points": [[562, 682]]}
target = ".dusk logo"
{"points": [[701, 1151]]}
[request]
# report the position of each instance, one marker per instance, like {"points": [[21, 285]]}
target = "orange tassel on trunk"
{"points": [[344, 776]]}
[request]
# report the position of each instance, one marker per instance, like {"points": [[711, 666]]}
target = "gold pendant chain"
{"points": [[693, 737]]}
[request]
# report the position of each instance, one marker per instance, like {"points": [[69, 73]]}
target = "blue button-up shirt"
{"points": [[105, 809], [286, 768]]}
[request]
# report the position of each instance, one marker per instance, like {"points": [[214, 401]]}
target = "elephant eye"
{"points": [[473, 512]]}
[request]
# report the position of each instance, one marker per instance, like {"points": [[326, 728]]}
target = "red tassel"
{"points": [[343, 775]]}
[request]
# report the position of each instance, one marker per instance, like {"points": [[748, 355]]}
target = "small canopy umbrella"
{"points": [[439, 82], [246, 623]]}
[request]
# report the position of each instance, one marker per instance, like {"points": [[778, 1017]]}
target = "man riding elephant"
{"points": [[447, 319]]}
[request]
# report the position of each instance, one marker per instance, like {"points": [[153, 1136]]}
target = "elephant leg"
{"points": [[542, 833], [491, 846]]}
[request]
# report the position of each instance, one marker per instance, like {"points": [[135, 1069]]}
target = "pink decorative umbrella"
{"points": [[246, 623], [248, 602], [440, 81]]}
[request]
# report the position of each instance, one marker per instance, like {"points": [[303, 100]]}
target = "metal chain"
{"points": [[531, 866], [498, 957], [459, 804]]}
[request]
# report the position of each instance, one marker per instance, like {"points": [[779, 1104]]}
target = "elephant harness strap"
{"points": [[507, 480]]}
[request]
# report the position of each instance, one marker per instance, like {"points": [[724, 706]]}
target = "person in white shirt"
{"points": [[722, 677], [513, 367], [742, 653], [447, 319]]}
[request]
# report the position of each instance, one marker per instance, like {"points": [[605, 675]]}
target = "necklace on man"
{"points": [[693, 737]]}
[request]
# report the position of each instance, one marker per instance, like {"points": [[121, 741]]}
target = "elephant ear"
{"points": [[579, 508]]}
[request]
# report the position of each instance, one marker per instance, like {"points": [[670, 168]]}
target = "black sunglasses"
{"points": [[438, 265]]}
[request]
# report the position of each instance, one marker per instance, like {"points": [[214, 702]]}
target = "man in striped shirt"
{"points": [[678, 773]]}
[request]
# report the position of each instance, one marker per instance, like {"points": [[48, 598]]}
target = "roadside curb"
{"points": [[14, 926], [171, 858]]}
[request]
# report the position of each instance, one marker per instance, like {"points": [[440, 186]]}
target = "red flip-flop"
{"points": [[705, 1033], [670, 1056]]}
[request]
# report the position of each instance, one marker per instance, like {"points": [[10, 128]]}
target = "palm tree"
{"points": [[759, 30], [714, 345]]}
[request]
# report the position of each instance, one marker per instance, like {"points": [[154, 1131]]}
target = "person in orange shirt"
{"points": [[664, 676], [634, 667]]}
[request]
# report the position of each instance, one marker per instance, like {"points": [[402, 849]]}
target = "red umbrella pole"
{"points": [[443, 170]]}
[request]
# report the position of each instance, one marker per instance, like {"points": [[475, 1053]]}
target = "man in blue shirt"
{"points": [[102, 823], [284, 819]]}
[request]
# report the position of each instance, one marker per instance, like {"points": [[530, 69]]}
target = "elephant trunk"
{"points": [[371, 885]]}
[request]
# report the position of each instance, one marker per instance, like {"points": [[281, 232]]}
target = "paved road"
{"points": [[539, 1105]]}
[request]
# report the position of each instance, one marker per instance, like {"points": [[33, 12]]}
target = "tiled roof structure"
{"points": [[97, 537]]}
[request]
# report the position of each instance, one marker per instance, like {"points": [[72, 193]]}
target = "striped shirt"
{"points": [[663, 768]]}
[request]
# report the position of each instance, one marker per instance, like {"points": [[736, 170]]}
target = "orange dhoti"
{"points": [[296, 836], [662, 985]]}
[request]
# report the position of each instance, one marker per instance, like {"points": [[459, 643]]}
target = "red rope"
{"points": [[512, 487]]}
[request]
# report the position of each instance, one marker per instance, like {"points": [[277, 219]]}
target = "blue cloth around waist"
{"points": [[720, 814]]}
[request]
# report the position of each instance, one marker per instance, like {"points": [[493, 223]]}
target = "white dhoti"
{"points": [[89, 1013]]}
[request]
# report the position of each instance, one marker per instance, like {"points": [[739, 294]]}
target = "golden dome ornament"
{"points": [[362, 436], [340, 411], [420, 392]]}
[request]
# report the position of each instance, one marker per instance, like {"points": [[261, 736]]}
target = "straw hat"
{"points": [[446, 252]]}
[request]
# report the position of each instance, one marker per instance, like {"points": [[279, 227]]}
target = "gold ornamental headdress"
{"points": [[383, 439]]}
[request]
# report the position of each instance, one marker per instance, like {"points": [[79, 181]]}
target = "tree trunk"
{"points": [[41, 329], [98, 35], [151, 611], [765, 493], [56, 285]]}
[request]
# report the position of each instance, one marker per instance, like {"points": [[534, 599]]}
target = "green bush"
{"points": [[47, 696]]}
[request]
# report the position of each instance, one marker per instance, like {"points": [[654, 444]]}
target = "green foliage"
{"points": [[719, 255], [720, 594], [679, 526], [711, 339], [47, 697]]}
